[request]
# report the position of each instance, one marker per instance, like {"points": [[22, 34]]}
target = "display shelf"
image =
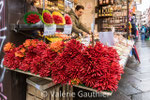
{"points": [[62, 10], [104, 16], [70, 1], [115, 28], [28, 73], [115, 24], [119, 10], [106, 28], [30, 27], [124, 61], [103, 5], [124, 57], [120, 33], [102, 93], [119, 16]]}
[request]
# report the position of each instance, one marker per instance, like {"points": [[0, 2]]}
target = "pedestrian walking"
{"points": [[143, 32]]}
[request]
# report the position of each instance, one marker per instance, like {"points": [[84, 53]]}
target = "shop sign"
{"points": [[67, 29], [49, 29]]}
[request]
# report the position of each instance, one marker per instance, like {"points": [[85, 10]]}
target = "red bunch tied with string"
{"points": [[48, 18], [57, 19], [68, 19]]}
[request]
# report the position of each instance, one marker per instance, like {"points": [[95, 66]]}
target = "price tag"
{"points": [[107, 38], [49, 30], [67, 29], [92, 27]]}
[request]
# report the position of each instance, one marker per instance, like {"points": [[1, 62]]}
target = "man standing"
{"points": [[133, 28], [78, 27]]}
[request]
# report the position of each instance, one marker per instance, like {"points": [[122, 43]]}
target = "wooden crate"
{"points": [[40, 83], [31, 97], [52, 93]]}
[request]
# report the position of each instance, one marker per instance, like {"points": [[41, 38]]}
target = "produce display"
{"points": [[57, 46], [123, 47], [58, 37], [71, 62], [58, 18], [63, 36], [32, 18], [68, 19], [33, 55], [96, 67], [50, 5], [74, 62], [103, 2], [47, 18]]}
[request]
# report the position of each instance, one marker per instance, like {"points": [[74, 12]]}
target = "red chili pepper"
{"points": [[33, 18]]}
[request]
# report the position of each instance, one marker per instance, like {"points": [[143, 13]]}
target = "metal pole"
{"points": [[44, 25], [93, 26], [127, 18], [43, 4], [92, 39]]}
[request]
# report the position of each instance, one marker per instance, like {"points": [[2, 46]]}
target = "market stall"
{"points": [[52, 53], [112, 14]]}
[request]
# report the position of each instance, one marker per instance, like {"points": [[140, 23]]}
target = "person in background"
{"points": [[148, 30], [133, 28], [30, 6], [137, 32], [143, 32], [146, 33], [78, 27]]}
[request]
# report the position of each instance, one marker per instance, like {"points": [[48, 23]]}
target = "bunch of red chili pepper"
{"points": [[96, 67], [33, 18]]}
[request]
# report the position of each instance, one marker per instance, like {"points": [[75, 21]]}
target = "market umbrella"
{"points": [[136, 53]]}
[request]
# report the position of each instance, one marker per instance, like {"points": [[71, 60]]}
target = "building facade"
{"points": [[138, 18], [145, 17]]}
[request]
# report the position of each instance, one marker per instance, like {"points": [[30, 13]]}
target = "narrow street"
{"points": [[135, 82]]}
